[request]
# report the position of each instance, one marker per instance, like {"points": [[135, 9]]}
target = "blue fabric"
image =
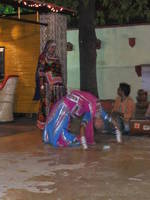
{"points": [[104, 115], [53, 133], [37, 89], [58, 125], [86, 118], [71, 137]]}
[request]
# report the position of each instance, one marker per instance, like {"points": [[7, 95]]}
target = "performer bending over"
{"points": [[76, 104]]}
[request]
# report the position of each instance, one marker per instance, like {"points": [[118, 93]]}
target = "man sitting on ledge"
{"points": [[124, 106]]}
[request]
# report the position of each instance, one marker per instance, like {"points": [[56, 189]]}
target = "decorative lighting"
{"points": [[34, 4], [49, 6]]}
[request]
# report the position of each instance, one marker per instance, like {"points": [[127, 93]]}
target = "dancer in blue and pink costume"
{"points": [[75, 104]]}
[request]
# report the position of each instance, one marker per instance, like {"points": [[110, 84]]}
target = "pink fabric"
{"points": [[86, 103], [53, 80], [61, 142]]}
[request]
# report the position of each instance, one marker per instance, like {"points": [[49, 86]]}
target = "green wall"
{"points": [[73, 69], [116, 60]]}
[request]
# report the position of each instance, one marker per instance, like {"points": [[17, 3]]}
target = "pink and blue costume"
{"points": [[76, 104]]}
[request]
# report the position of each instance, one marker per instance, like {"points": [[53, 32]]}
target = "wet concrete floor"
{"points": [[31, 170]]}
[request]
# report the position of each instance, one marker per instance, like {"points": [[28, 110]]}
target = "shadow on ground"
{"points": [[19, 125]]}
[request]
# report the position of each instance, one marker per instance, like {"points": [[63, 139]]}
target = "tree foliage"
{"points": [[6, 9], [122, 11], [112, 12]]}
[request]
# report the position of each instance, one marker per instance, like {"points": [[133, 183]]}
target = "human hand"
{"points": [[118, 136], [117, 131], [84, 143]]}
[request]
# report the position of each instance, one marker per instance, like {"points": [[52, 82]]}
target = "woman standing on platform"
{"points": [[49, 82]]}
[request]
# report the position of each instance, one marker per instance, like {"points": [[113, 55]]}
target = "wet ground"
{"points": [[31, 170]]}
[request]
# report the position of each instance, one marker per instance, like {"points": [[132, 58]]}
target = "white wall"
{"points": [[116, 60], [73, 69]]}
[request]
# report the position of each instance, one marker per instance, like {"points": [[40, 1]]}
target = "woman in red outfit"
{"points": [[49, 82]]}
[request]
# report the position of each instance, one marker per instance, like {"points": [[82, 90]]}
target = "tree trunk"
{"points": [[87, 45]]}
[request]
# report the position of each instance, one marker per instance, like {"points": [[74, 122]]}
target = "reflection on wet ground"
{"points": [[31, 170]]}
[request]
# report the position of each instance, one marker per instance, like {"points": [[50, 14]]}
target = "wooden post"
{"points": [[18, 12], [37, 16]]}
